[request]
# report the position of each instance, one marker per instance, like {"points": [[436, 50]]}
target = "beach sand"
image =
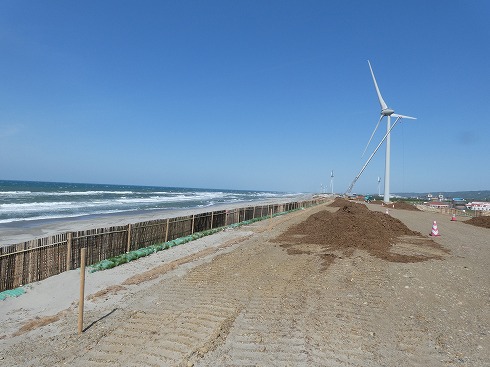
{"points": [[272, 294]]}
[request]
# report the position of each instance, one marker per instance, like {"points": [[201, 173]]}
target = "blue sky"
{"points": [[266, 95]]}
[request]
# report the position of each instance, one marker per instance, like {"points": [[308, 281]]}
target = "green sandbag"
{"points": [[12, 293]]}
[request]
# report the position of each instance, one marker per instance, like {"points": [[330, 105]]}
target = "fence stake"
{"points": [[212, 217], [83, 253], [68, 250], [193, 223], [166, 230], [129, 238], [270, 222]]}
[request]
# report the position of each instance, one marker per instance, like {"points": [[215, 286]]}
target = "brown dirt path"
{"points": [[280, 298]]}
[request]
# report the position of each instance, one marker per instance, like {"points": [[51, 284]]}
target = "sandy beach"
{"points": [[295, 290]]}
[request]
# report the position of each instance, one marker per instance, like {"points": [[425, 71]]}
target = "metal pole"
{"points": [[386, 198]]}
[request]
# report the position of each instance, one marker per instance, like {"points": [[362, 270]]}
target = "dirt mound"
{"points": [[340, 202], [398, 205], [479, 222], [353, 227], [406, 206]]}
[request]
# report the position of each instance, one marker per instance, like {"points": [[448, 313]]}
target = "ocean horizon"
{"points": [[22, 202]]}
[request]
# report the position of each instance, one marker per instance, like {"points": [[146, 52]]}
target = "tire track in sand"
{"points": [[165, 335]]}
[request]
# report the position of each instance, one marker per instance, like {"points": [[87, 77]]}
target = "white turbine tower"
{"points": [[331, 181], [379, 180], [388, 112]]}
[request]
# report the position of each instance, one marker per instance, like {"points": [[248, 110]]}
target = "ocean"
{"points": [[22, 201]]}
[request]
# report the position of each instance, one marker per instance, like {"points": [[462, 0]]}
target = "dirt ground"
{"points": [[479, 221], [343, 285]]}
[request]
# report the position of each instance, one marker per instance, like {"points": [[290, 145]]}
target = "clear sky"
{"points": [[256, 94]]}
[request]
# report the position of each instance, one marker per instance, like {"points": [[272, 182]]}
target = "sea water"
{"points": [[32, 200]]}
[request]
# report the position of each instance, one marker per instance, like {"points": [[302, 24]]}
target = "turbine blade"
{"points": [[381, 100], [371, 138], [403, 116]]}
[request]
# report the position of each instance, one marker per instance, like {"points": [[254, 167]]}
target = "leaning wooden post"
{"points": [[192, 232], [68, 250], [83, 254], [166, 230], [128, 248]]}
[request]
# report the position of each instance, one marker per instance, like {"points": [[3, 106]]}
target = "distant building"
{"points": [[479, 205], [437, 204], [459, 203]]}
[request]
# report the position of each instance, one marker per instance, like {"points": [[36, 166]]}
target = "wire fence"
{"points": [[41, 258]]}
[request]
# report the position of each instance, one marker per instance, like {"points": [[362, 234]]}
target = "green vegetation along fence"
{"points": [[39, 259]]}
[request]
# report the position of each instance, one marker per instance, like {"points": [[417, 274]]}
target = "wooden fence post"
{"points": [[83, 254], [192, 230], [68, 250], [128, 248], [166, 230], [270, 221], [212, 217]]}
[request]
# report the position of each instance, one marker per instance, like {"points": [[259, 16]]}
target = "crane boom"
{"points": [[349, 190]]}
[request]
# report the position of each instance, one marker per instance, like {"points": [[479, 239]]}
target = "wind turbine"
{"points": [[388, 112], [331, 181], [379, 180]]}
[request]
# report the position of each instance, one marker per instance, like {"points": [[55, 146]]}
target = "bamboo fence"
{"points": [[39, 259]]}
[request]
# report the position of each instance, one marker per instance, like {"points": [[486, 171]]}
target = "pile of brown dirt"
{"points": [[339, 203], [353, 227], [479, 222], [398, 205], [405, 206]]}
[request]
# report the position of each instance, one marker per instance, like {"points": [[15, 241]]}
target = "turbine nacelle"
{"points": [[387, 112]]}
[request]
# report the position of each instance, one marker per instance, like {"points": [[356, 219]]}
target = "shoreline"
{"points": [[23, 231]]}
